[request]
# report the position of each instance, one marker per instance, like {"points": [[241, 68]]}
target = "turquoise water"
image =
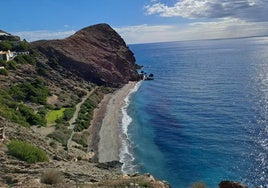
{"points": [[204, 117]]}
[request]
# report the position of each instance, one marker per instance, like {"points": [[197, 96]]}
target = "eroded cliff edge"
{"points": [[96, 53]]}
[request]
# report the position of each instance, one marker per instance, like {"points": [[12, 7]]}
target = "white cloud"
{"points": [[43, 35], [251, 10], [225, 28], [147, 33], [222, 28]]}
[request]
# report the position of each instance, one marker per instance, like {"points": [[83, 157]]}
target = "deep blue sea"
{"points": [[205, 115]]}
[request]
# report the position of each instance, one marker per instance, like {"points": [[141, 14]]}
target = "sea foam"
{"points": [[126, 156]]}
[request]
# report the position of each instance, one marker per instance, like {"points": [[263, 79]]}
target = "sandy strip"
{"points": [[106, 123]]}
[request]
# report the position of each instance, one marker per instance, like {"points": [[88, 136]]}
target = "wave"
{"points": [[126, 155]]}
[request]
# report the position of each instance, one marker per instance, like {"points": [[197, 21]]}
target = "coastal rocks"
{"points": [[96, 53], [231, 184], [110, 165]]}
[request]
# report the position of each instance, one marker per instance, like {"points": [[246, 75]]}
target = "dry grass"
{"points": [[51, 177]]}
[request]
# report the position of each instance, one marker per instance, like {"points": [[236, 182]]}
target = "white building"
{"points": [[6, 55]]}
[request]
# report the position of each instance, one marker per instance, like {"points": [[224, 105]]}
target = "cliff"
{"points": [[96, 53]]}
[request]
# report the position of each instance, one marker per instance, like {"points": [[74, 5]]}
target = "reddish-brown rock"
{"points": [[231, 184], [96, 53]]}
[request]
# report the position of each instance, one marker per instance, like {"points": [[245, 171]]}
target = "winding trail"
{"points": [[77, 110]]}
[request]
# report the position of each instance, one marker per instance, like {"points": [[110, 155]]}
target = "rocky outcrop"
{"points": [[96, 53], [231, 184]]}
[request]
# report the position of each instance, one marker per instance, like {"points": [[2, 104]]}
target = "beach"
{"points": [[104, 139]]}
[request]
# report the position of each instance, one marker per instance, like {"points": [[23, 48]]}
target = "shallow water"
{"points": [[204, 117]]}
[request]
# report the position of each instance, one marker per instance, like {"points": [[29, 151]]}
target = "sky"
{"points": [[137, 21]]}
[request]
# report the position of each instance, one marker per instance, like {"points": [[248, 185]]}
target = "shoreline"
{"points": [[104, 140]]}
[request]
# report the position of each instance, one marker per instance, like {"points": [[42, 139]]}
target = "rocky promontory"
{"points": [[96, 53]]}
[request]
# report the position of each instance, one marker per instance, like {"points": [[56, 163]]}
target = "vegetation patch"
{"points": [[51, 177], [81, 138], [26, 151], [53, 115], [25, 59], [30, 116], [19, 113], [61, 134], [35, 92], [3, 72], [85, 116]]}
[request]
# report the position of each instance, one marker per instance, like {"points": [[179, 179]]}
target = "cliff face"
{"points": [[96, 53]]}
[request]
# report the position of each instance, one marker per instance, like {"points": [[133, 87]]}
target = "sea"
{"points": [[204, 117]]}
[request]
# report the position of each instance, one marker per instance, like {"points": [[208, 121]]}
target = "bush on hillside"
{"points": [[20, 59], [85, 116], [51, 177], [68, 113], [81, 138], [5, 45], [31, 117], [35, 92], [3, 72], [61, 134], [26, 151], [25, 59]]}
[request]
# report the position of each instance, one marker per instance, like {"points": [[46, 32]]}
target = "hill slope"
{"points": [[96, 53]]}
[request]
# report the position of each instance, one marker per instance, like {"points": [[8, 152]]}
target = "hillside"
{"points": [[96, 53], [47, 99], [47, 102]]}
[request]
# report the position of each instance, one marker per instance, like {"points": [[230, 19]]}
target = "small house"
{"points": [[6, 55]]}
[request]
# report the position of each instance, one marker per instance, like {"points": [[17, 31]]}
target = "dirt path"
{"points": [[73, 119]]}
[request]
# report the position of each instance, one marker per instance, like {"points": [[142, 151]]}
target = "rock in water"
{"points": [[96, 53], [230, 184]]}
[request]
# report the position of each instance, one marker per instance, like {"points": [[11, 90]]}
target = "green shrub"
{"points": [[20, 113], [68, 113], [3, 72], [81, 138], [51, 177], [41, 71], [30, 116], [22, 46], [85, 116], [61, 134], [11, 65], [5, 45], [20, 59], [34, 91], [8, 109], [29, 59], [26, 151]]}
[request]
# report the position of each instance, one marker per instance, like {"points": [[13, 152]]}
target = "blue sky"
{"points": [[137, 21]]}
